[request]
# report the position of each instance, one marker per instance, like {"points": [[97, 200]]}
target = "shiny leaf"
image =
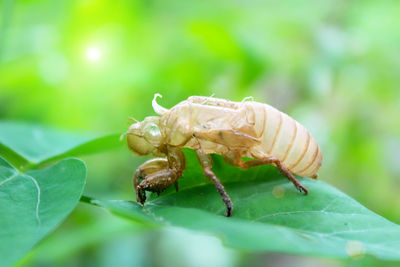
{"points": [[23, 142], [269, 215], [32, 204]]}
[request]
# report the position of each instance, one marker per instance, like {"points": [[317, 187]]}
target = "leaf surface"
{"points": [[269, 215], [32, 204], [22, 142]]}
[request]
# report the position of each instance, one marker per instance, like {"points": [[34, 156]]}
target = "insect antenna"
{"points": [[132, 119]]}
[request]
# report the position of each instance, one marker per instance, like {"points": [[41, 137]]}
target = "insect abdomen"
{"points": [[286, 139]]}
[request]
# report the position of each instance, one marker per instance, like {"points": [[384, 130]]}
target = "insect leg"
{"points": [[149, 167], [271, 160], [158, 174], [176, 186], [206, 163], [156, 182], [177, 161]]}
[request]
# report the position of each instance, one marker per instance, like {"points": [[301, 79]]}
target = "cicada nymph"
{"points": [[231, 129]]}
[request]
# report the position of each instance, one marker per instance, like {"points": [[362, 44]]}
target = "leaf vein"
{"points": [[38, 198], [9, 179]]}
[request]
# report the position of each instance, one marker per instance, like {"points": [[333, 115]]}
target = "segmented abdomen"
{"points": [[286, 139]]}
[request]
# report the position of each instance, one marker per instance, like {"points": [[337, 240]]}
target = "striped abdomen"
{"points": [[286, 139]]}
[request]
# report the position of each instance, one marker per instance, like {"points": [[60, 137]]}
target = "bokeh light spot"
{"points": [[278, 191], [93, 54], [355, 249]]}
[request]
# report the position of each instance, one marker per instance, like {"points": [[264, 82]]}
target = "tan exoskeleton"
{"points": [[231, 129]]}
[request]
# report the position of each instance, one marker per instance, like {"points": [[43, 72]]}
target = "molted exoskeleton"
{"points": [[231, 129]]}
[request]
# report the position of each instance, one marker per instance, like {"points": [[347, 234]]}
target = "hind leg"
{"points": [[268, 160]]}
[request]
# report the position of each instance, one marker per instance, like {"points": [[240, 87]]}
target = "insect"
{"points": [[232, 129]]}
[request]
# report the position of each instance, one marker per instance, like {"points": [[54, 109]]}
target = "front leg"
{"points": [[158, 174], [156, 182], [206, 163], [147, 168]]}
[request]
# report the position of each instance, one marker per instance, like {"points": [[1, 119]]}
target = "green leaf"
{"points": [[269, 215], [23, 142], [32, 204]]}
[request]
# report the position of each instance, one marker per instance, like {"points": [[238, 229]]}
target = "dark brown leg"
{"points": [[176, 186], [272, 160], [158, 174], [149, 167], [156, 182], [206, 163]]}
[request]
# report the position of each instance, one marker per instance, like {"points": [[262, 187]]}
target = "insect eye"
{"points": [[152, 133]]}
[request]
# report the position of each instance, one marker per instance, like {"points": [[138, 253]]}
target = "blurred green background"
{"points": [[88, 65]]}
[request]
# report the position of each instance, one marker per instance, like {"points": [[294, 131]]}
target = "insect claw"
{"points": [[176, 186], [140, 195], [302, 189]]}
